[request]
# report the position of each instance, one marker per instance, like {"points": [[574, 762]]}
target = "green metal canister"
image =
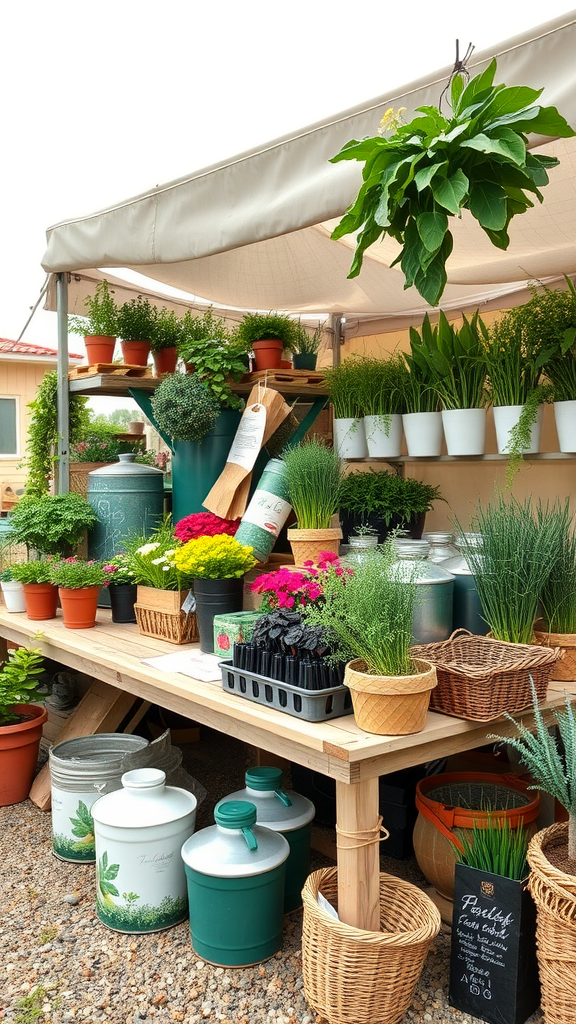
{"points": [[235, 871], [267, 511], [288, 813], [128, 499]]}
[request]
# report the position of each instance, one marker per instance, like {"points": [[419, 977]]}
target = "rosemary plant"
{"points": [[368, 615], [498, 848], [558, 596], [513, 563], [314, 476]]}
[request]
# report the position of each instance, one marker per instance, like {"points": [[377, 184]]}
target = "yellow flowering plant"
{"points": [[214, 558]]}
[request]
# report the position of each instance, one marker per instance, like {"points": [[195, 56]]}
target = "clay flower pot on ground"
{"points": [[20, 723], [314, 475], [79, 586]]}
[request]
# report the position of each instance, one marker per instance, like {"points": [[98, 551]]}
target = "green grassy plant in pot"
{"points": [[422, 419], [165, 341], [217, 565], [552, 313], [344, 390], [137, 323], [79, 584], [268, 335], [385, 502], [380, 389], [455, 357], [314, 475], [306, 347], [40, 593], [558, 597], [21, 723], [368, 622], [99, 327], [550, 757]]}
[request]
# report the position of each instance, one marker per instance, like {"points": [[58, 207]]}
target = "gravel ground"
{"points": [[59, 963]]}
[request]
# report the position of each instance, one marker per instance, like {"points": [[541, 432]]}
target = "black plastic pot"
{"points": [[304, 360], [122, 598], [215, 597], [352, 520]]}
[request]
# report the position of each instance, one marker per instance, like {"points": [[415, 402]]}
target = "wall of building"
{"points": [[19, 378]]}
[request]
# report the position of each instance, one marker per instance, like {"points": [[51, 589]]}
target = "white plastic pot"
{"points": [[13, 596], [464, 430], [383, 436], [350, 439], [565, 416], [423, 432], [505, 419]]}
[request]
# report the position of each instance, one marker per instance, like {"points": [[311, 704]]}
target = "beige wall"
{"points": [[21, 379]]}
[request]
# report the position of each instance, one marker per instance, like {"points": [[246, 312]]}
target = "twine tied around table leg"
{"points": [[366, 837]]}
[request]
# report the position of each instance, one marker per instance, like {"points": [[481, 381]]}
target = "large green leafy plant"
{"points": [[456, 360], [434, 167], [53, 523], [18, 682]]}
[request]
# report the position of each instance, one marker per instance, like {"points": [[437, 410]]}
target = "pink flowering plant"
{"points": [[204, 524], [120, 572], [293, 590]]}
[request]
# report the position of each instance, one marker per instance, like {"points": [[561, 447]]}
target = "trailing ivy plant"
{"points": [[42, 442], [434, 167]]}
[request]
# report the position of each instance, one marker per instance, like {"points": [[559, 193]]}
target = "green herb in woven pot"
{"points": [[314, 475]]}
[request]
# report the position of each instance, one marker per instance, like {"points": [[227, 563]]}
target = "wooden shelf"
{"points": [[539, 457], [112, 385]]}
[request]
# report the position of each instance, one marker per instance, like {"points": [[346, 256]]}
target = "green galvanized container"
{"points": [[196, 466], [288, 813], [128, 499], [235, 871]]}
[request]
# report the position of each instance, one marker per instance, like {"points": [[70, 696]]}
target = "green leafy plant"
{"points": [[18, 682], [380, 386], [137, 320], [551, 760], [260, 326], [306, 343], [42, 440], [549, 318], [386, 495], [218, 363], [167, 330], [558, 595], [512, 564], [74, 574], [105, 876], [343, 383], [119, 571], [497, 848], [184, 407], [102, 316], [83, 827], [6, 575], [220, 557], [368, 615], [434, 167], [420, 391], [206, 327], [52, 523], [314, 476], [456, 360], [34, 571]]}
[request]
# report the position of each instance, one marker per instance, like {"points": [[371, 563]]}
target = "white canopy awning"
{"points": [[254, 232]]}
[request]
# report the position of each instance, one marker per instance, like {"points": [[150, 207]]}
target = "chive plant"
{"points": [[513, 563], [558, 596], [314, 476], [380, 385], [342, 383], [497, 848]]}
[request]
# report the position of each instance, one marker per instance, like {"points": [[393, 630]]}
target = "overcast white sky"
{"points": [[100, 101]]}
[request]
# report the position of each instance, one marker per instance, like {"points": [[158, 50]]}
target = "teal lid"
{"points": [[236, 814], [264, 779]]}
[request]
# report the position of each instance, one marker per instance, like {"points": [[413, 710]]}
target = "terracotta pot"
{"points": [[79, 606], [165, 361], [286, 364], [99, 348], [135, 353], [41, 600], [268, 353], [307, 545], [390, 705], [19, 745]]}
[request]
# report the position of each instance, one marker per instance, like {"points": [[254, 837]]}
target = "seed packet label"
{"points": [[189, 604], [267, 511], [249, 437]]}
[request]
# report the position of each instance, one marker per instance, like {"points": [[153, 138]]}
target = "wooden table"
{"points": [[338, 749]]}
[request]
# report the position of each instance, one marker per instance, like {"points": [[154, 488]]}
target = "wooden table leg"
{"points": [[358, 867]]}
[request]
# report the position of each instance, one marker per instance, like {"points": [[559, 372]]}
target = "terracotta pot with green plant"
{"points": [[268, 335], [40, 594], [79, 585], [306, 345], [385, 502], [314, 475], [137, 323], [217, 566], [100, 326], [53, 523], [367, 616], [21, 723], [165, 341], [345, 393]]}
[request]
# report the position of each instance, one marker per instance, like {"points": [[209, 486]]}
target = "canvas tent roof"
{"points": [[254, 231]]}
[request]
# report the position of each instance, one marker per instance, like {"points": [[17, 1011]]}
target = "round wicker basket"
{"points": [[390, 705]]}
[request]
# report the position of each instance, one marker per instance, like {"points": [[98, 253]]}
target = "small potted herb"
{"points": [[40, 594], [99, 327], [184, 407], [122, 588], [314, 475], [21, 723], [79, 585], [344, 390], [137, 323], [267, 334], [305, 347], [165, 341], [380, 387], [12, 590]]}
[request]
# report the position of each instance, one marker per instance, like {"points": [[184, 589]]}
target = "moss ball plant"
{"points": [[184, 407]]}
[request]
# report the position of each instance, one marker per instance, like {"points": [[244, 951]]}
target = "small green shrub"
{"points": [[184, 407]]}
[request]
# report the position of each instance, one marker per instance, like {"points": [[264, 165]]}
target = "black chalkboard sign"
{"points": [[493, 966]]}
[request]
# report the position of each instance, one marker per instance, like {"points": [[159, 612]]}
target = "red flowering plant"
{"points": [[204, 524], [286, 588]]}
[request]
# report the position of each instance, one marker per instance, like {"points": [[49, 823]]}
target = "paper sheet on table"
{"points": [[205, 667]]}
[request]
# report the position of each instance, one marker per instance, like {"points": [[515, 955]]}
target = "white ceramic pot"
{"points": [[464, 430], [383, 436], [565, 416], [505, 418], [13, 596], [350, 439], [423, 432], [139, 832]]}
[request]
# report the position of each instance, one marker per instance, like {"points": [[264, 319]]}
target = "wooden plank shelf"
{"points": [[111, 384]]}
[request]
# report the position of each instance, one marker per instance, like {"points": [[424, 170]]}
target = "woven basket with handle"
{"points": [[352, 976], [480, 678]]}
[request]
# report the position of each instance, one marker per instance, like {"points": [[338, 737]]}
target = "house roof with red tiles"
{"points": [[21, 348]]}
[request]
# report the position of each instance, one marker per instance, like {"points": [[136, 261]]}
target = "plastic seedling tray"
{"points": [[310, 705]]}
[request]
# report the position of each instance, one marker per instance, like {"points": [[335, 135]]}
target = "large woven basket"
{"points": [[554, 894], [564, 669], [390, 705], [480, 678], [353, 976]]}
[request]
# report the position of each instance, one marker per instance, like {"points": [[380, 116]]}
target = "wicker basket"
{"points": [[554, 894], [308, 544], [565, 668], [158, 613], [390, 705], [353, 976], [79, 475], [479, 678]]}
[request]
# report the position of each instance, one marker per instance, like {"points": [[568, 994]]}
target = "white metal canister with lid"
{"points": [[139, 832]]}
